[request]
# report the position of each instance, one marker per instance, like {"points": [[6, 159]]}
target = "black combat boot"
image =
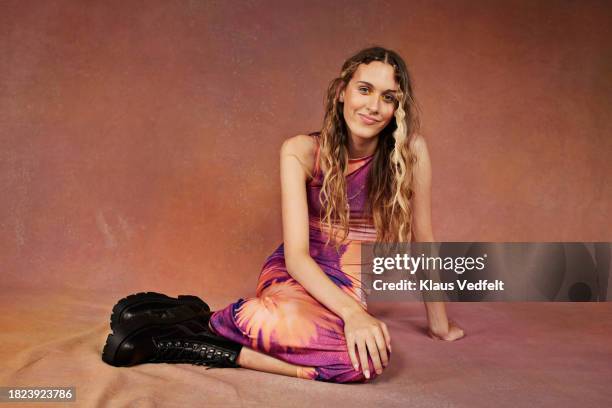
{"points": [[153, 306], [187, 340]]}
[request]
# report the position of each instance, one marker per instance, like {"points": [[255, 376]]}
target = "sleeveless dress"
{"points": [[283, 320]]}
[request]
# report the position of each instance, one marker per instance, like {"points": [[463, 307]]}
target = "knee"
{"points": [[359, 375], [346, 373], [350, 375]]}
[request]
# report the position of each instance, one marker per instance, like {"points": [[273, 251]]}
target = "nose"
{"points": [[373, 102]]}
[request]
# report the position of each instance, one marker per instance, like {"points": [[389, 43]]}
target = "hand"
{"points": [[451, 332], [370, 335]]}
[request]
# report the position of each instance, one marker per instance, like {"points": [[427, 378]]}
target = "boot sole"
{"points": [[131, 330], [146, 297]]}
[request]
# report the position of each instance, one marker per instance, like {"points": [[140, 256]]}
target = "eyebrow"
{"points": [[372, 86]]}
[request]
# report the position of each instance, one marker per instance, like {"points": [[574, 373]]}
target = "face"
{"points": [[369, 99]]}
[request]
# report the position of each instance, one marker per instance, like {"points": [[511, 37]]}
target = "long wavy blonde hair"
{"points": [[389, 183]]}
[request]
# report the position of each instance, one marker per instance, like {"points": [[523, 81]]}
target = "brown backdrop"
{"points": [[139, 139]]}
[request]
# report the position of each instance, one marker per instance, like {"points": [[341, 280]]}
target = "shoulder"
{"points": [[302, 147], [422, 168], [299, 145], [418, 144]]}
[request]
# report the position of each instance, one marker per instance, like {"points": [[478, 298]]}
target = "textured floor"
{"points": [[521, 354]]}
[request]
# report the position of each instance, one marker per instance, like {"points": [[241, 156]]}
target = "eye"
{"points": [[363, 88], [390, 98]]}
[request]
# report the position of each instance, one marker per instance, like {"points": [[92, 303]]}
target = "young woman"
{"points": [[364, 177]]}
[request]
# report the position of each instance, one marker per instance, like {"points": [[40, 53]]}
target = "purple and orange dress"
{"points": [[283, 320]]}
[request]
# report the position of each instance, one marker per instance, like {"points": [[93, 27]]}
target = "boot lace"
{"points": [[198, 353]]}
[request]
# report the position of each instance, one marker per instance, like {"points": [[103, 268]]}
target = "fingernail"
{"points": [[367, 374], [356, 367], [378, 372]]}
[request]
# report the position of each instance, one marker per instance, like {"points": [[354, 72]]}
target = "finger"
{"points": [[363, 357], [455, 333], [385, 331], [434, 336], [382, 348], [350, 344], [449, 337], [373, 350]]}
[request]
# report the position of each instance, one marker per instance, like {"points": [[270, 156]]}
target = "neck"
{"points": [[361, 147]]}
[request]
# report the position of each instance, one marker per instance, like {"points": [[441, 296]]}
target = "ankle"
{"points": [[306, 373], [240, 360]]}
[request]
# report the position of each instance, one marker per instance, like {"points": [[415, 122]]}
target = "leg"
{"points": [[255, 360], [288, 332]]}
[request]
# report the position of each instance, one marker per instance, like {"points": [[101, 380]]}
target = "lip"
{"points": [[368, 120]]}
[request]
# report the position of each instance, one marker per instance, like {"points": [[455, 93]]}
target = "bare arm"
{"points": [[362, 332], [300, 264], [439, 324]]}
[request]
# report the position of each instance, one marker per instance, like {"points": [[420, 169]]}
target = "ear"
{"points": [[341, 99]]}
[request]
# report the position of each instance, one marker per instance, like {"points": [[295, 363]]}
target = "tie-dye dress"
{"points": [[284, 320]]}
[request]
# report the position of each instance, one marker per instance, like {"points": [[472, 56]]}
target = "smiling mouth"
{"points": [[367, 120]]}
